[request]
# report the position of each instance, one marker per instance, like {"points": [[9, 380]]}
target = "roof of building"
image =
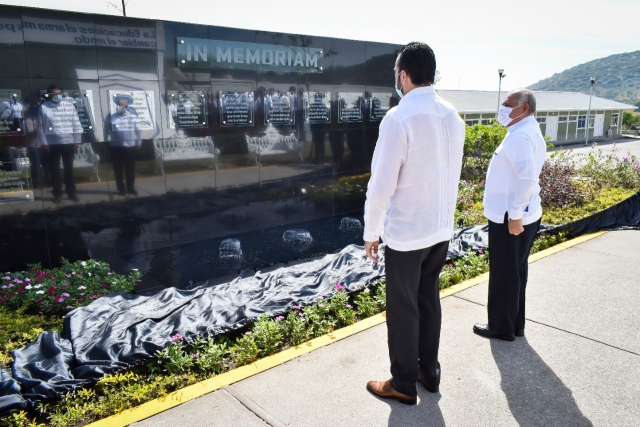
{"points": [[481, 101]]}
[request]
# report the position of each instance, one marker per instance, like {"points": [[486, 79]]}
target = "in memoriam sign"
{"points": [[202, 53]]}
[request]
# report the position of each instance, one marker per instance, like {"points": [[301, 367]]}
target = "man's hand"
{"points": [[371, 248], [515, 226]]}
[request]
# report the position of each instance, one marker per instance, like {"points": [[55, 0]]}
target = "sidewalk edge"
{"points": [[194, 391]]}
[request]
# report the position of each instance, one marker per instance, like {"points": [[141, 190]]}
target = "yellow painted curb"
{"points": [[194, 391]]}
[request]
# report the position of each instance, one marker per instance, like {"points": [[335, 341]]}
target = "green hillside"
{"points": [[617, 77]]}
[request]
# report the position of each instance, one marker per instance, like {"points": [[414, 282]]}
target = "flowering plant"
{"points": [[62, 289]]}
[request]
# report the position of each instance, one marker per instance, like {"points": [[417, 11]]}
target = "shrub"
{"points": [[62, 289], [469, 209], [608, 170], [558, 187], [18, 329], [480, 142]]}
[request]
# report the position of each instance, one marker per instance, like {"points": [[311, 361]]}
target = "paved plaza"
{"points": [[578, 365]]}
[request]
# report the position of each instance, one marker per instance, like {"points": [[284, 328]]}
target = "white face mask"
{"points": [[504, 113], [398, 90]]}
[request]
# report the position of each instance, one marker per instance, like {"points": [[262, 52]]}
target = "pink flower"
{"points": [[68, 276], [196, 356], [480, 251], [321, 305], [59, 299], [279, 319], [3, 301], [348, 305], [248, 333], [65, 284], [177, 337], [7, 278], [21, 291], [66, 295], [68, 307], [92, 297], [27, 280], [338, 287], [297, 307], [367, 290], [320, 298]]}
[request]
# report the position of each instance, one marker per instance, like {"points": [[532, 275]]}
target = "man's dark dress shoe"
{"points": [[432, 385], [520, 333], [484, 331], [384, 390]]}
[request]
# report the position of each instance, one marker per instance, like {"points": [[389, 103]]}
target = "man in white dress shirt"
{"points": [[410, 203], [512, 205]]}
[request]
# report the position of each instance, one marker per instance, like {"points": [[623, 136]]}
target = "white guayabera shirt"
{"points": [[513, 177], [415, 171]]}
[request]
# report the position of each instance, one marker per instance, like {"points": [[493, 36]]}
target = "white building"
{"points": [[562, 115]]}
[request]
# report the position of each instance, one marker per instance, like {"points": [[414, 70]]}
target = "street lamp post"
{"points": [[586, 140], [502, 75]]}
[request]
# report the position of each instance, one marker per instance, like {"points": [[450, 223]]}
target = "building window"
{"points": [[471, 122], [542, 120], [573, 118], [486, 121], [614, 119], [562, 118], [582, 121], [591, 121]]}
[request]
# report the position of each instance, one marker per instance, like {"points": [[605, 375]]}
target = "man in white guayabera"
{"points": [[410, 203], [512, 205]]}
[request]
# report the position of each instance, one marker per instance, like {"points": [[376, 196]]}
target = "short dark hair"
{"points": [[419, 62], [52, 88]]}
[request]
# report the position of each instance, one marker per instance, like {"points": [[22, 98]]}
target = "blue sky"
{"points": [[471, 39]]}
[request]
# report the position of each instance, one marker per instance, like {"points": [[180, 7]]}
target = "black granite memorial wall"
{"points": [[148, 143]]}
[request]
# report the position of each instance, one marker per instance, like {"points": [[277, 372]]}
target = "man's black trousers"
{"points": [[508, 273], [413, 314]]}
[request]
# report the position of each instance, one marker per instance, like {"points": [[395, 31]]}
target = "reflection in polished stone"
{"points": [[300, 240], [187, 109], [124, 142], [230, 249], [273, 143], [349, 107], [319, 107], [255, 121], [236, 109], [60, 132], [11, 111], [350, 224]]}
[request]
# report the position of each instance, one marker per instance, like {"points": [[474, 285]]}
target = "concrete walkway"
{"points": [[579, 364]]}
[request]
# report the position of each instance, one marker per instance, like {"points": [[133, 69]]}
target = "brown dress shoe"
{"points": [[384, 390]]}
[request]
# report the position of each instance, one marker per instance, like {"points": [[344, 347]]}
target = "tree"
{"points": [[630, 119]]}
